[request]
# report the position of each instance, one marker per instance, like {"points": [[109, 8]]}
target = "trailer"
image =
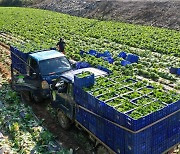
{"points": [[112, 130]]}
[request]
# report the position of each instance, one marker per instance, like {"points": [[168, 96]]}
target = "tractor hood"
{"points": [[70, 74]]}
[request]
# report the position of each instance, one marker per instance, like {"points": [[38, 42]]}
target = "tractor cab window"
{"points": [[54, 66]]}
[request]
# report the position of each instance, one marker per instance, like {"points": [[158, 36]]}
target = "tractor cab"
{"points": [[33, 73]]}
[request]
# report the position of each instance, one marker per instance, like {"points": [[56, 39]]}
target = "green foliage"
{"points": [[84, 74], [43, 28]]}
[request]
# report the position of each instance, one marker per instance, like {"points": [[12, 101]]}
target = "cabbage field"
{"points": [[35, 29], [158, 49], [42, 28]]}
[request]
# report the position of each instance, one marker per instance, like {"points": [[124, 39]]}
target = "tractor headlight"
{"points": [[45, 85]]}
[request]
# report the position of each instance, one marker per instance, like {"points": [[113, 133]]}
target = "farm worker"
{"points": [[61, 45]]}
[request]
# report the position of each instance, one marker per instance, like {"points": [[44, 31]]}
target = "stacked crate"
{"points": [[153, 133]]}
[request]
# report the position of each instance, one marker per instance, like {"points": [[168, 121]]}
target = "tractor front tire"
{"points": [[63, 120]]}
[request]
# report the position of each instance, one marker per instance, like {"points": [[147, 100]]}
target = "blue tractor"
{"points": [[33, 73]]}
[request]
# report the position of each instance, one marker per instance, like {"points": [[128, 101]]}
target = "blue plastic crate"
{"points": [[160, 127], [82, 117], [92, 128], [174, 120], [140, 148], [84, 82], [159, 138], [159, 148], [109, 134], [136, 138], [178, 71], [137, 124], [173, 70], [119, 118], [78, 99], [107, 54], [173, 141], [125, 62], [92, 52], [80, 92], [79, 116], [138, 142], [92, 119], [173, 107], [119, 140], [92, 103], [122, 55], [104, 69], [173, 130], [132, 58], [159, 114], [98, 55], [109, 59], [81, 52], [100, 128], [101, 108], [109, 112], [174, 125], [82, 65]]}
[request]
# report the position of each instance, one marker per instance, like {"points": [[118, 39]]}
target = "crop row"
{"points": [[151, 65], [43, 29]]}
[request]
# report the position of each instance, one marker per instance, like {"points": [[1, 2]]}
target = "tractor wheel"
{"points": [[63, 120], [102, 150]]}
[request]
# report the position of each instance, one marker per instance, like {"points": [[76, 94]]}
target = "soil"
{"points": [[160, 13]]}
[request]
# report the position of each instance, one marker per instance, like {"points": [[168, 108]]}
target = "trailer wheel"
{"points": [[63, 120], [102, 150]]}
